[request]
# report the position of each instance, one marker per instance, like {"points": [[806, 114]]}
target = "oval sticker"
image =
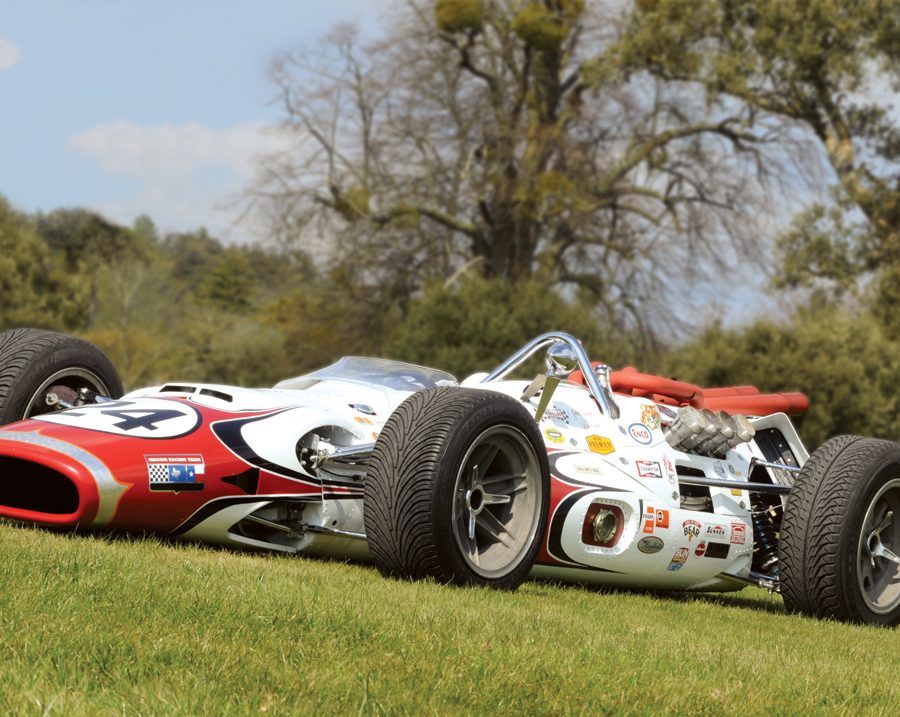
{"points": [[640, 433], [651, 544]]}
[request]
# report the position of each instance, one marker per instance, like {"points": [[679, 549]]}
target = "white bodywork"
{"points": [[623, 462]]}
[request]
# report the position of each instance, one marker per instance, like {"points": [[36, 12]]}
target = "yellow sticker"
{"points": [[554, 435], [600, 444], [361, 419], [735, 491]]}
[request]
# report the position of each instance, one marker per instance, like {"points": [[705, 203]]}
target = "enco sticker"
{"points": [[640, 433], [140, 418]]}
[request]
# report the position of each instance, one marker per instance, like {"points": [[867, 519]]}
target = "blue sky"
{"points": [[145, 106]]}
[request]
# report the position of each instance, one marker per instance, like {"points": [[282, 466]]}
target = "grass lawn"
{"points": [[94, 625]]}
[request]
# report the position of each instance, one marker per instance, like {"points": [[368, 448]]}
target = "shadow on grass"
{"points": [[729, 600]]}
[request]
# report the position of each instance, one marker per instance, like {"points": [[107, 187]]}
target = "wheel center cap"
{"points": [[475, 499]]}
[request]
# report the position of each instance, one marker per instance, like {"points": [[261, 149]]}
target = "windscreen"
{"points": [[382, 372]]}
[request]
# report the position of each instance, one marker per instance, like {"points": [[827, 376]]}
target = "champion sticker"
{"points": [[175, 473], [648, 469]]}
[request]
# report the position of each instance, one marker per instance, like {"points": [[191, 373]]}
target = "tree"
{"points": [[842, 360], [504, 138], [823, 66], [474, 325], [35, 286]]}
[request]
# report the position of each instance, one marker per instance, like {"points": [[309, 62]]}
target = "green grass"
{"points": [[94, 625]]}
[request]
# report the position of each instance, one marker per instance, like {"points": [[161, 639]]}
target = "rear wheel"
{"points": [[457, 489], [840, 540], [35, 363]]}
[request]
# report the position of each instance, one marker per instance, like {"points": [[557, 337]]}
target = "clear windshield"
{"points": [[379, 372]]}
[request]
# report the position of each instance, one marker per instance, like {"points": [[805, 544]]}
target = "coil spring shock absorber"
{"points": [[765, 544]]}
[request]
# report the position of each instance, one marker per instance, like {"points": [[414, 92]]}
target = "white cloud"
{"points": [[184, 172], [9, 54]]}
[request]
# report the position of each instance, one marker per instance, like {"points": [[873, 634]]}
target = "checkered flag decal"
{"points": [[159, 473]]}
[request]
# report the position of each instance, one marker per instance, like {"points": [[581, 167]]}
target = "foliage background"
{"points": [[485, 170]]}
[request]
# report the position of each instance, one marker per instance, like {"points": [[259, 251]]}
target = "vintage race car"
{"points": [[580, 474]]}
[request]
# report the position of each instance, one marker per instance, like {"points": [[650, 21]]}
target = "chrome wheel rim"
{"points": [[878, 564], [65, 381], [496, 501]]}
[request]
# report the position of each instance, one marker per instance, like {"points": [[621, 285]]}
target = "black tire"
{"points": [[828, 530], [426, 510], [32, 362]]}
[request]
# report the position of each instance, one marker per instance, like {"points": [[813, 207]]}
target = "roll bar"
{"points": [[602, 393]]}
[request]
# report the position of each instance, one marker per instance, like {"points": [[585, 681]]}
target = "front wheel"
{"points": [[840, 537], [457, 489], [35, 363]]}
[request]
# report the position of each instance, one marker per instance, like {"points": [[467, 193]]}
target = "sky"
{"points": [[156, 107]]}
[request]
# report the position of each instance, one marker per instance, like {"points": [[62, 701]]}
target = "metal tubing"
{"points": [[604, 398], [742, 484]]}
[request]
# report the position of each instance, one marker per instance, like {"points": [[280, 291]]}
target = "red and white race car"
{"points": [[580, 474]]}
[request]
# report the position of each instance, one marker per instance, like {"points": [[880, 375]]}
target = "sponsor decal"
{"points": [[738, 533], [175, 473], [555, 414], [720, 469], [554, 436], [736, 491], [593, 470], [715, 531], [701, 548], [375, 435], [668, 412], [600, 444], [670, 469], [362, 419], [691, 529], [648, 469], [655, 518], [640, 433], [731, 469], [717, 550], [651, 544], [650, 417], [681, 555]]}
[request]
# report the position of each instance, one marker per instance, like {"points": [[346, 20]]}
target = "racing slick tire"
{"points": [[34, 363], [840, 535], [457, 489]]}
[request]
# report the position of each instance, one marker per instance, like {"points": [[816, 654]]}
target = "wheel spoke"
{"points": [[495, 498], [882, 552], [502, 477], [488, 454], [471, 524], [494, 528], [888, 519]]}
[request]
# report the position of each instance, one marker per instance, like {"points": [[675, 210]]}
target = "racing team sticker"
{"points": [[175, 472]]}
